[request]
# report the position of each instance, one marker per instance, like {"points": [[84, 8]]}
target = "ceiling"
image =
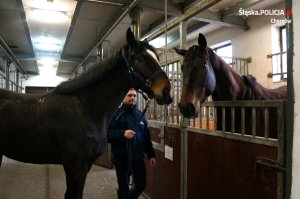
{"points": [[65, 47]]}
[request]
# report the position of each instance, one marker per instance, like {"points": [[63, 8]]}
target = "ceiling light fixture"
{"points": [[47, 47], [48, 16]]}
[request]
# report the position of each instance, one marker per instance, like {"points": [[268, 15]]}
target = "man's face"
{"points": [[130, 98]]}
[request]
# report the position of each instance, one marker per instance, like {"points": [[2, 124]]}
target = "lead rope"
{"points": [[130, 144]]}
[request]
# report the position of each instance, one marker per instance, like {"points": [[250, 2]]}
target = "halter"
{"points": [[136, 76]]}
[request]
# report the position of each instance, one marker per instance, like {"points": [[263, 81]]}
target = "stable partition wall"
{"points": [[224, 168], [163, 181], [196, 161]]}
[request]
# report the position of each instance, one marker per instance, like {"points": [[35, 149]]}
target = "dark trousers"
{"points": [[138, 173]]}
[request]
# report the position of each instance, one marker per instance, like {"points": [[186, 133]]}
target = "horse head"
{"points": [[199, 79], [145, 71]]}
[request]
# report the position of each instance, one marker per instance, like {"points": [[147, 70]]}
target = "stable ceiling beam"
{"points": [[71, 29], [243, 4], [189, 13], [217, 18], [103, 36]]}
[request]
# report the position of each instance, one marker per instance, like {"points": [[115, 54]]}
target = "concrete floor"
{"points": [[30, 181]]}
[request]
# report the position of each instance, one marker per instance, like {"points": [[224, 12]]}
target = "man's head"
{"points": [[130, 98]]}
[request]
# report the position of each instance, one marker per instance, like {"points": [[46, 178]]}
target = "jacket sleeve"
{"points": [[149, 150], [114, 133]]}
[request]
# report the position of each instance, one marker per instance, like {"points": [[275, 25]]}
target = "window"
{"points": [[279, 60], [224, 50]]}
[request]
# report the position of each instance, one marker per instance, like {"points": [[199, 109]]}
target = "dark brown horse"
{"points": [[205, 74], [68, 125]]}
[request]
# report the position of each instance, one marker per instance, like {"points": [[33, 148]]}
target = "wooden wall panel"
{"points": [[163, 181], [224, 168]]}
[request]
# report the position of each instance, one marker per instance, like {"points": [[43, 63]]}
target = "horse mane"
{"points": [[94, 73]]}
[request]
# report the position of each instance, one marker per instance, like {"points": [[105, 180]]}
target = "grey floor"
{"points": [[29, 181]]}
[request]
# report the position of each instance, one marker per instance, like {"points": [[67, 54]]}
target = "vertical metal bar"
{"points": [[243, 120], [223, 119], [178, 93], [215, 118], [135, 15], [100, 53], [207, 117], [280, 154], [201, 116], [18, 81], [184, 166], [281, 66], [173, 84], [266, 121], [154, 111], [253, 121], [7, 72], [232, 119]]}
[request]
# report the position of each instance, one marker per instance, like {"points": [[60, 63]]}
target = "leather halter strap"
{"points": [[136, 76]]}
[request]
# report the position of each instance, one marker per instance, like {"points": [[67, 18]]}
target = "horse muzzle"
{"points": [[188, 111], [165, 98]]}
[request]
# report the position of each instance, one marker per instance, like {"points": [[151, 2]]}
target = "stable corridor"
{"points": [[31, 181]]}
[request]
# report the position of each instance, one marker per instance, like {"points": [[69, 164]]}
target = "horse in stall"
{"points": [[205, 74], [68, 125]]}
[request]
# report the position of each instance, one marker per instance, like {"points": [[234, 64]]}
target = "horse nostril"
{"points": [[166, 95], [191, 108]]}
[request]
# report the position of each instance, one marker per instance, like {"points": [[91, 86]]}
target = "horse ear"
{"points": [[202, 41], [181, 52], [130, 38]]}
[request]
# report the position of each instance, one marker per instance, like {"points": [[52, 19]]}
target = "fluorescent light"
{"points": [[47, 46], [48, 16]]}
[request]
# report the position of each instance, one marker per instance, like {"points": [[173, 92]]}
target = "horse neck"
{"points": [[228, 82], [103, 97]]}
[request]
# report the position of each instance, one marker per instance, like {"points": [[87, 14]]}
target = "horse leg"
{"points": [[75, 179], [1, 159]]}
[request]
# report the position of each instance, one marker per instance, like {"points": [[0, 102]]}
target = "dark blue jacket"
{"points": [[128, 117]]}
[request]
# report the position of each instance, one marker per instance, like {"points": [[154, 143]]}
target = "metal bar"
{"points": [[223, 119], [115, 23], [232, 120], [11, 55], [173, 83], [207, 116], [271, 55], [215, 118], [243, 120], [266, 121], [177, 90], [105, 2], [7, 72], [253, 121], [281, 149]]}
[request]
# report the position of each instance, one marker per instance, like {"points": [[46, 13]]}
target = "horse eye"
{"points": [[140, 59]]}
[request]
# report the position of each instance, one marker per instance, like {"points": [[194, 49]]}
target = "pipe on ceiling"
{"points": [[11, 55], [105, 2]]}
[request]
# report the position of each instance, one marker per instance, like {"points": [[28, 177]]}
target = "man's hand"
{"points": [[129, 134]]}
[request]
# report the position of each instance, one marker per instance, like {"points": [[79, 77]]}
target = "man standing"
{"points": [[130, 138]]}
